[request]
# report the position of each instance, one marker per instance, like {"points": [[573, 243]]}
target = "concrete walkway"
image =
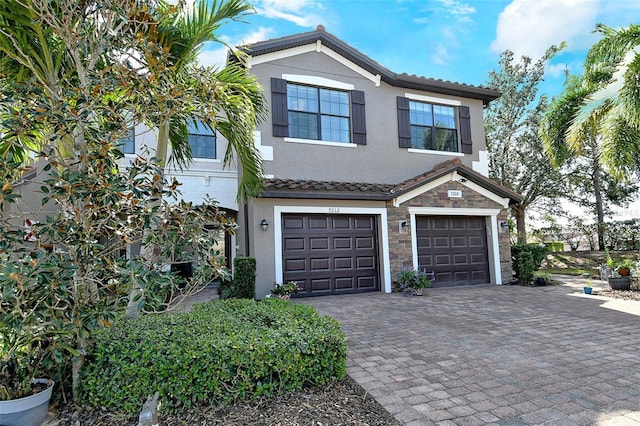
{"points": [[504, 355]]}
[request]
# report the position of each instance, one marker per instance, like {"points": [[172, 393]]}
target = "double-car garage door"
{"points": [[330, 254]]}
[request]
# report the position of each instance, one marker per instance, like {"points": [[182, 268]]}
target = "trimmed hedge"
{"points": [[221, 351]]}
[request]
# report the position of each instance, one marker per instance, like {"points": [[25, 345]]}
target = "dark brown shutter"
{"points": [[279, 112], [404, 125], [358, 118], [464, 118]]}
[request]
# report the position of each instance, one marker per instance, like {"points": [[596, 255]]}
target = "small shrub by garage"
{"points": [[221, 351], [527, 259]]}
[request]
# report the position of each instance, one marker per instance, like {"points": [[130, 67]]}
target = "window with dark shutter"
{"points": [[464, 118], [404, 123], [427, 126], [279, 113], [358, 118]]}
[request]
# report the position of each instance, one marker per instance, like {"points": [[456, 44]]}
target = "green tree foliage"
{"points": [[76, 278], [516, 156], [592, 124], [611, 99], [75, 77]]}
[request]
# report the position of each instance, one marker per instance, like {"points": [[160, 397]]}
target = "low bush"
{"points": [[527, 259], [221, 351]]}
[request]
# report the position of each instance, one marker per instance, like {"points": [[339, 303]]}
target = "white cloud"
{"points": [[556, 70], [462, 12], [300, 12], [529, 27], [440, 54]]}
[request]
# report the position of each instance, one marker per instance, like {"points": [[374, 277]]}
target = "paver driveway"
{"points": [[504, 355]]}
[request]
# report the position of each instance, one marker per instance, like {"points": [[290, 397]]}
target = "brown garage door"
{"points": [[330, 254], [455, 247]]}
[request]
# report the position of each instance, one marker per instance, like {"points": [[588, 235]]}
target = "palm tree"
{"points": [[610, 105], [231, 101], [598, 114]]}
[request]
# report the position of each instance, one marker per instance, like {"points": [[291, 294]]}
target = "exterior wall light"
{"points": [[404, 225], [264, 224], [504, 225]]}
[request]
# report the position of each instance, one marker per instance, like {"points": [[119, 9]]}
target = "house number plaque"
{"points": [[455, 194], [334, 210]]}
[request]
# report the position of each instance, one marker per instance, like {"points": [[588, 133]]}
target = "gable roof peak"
{"points": [[404, 80]]}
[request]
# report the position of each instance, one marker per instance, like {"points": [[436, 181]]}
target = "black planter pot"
{"points": [[540, 281], [620, 283]]}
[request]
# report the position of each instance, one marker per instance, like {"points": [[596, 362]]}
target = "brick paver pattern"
{"points": [[504, 355]]}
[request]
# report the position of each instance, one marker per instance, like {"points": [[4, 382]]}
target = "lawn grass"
{"points": [[580, 262]]}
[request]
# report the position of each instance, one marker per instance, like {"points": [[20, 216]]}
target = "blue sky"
{"points": [[447, 39]]}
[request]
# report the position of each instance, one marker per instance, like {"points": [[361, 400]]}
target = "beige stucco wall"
{"points": [[380, 160]]}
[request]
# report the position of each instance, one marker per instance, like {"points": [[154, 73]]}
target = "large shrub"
{"points": [[527, 259], [222, 351]]}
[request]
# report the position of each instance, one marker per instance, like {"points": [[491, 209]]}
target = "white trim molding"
{"points": [[316, 47], [493, 245], [320, 142], [432, 99], [450, 177], [380, 212], [317, 81]]}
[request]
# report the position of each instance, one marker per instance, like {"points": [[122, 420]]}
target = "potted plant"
{"points": [[540, 278], [587, 288], [623, 268], [285, 290], [24, 399], [415, 280]]}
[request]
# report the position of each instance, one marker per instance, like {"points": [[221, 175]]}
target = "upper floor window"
{"points": [[433, 127], [318, 113], [202, 140], [429, 126], [128, 142], [305, 111]]}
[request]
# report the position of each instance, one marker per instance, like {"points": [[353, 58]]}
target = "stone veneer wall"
{"points": [[400, 249]]}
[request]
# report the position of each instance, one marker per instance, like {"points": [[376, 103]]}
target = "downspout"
{"points": [[246, 229]]}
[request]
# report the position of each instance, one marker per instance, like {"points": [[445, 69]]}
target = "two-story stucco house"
{"points": [[369, 172]]}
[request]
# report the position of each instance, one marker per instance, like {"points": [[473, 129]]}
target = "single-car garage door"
{"points": [[330, 254], [455, 247]]}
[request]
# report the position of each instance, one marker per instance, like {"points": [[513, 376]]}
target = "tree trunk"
{"points": [[518, 212], [597, 189]]}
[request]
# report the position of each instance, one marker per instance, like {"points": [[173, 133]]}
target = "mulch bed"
{"points": [[343, 402]]}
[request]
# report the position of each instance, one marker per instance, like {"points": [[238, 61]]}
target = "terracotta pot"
{"points": [[623, 272]]}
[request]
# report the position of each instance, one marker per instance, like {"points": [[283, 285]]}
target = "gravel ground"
{"points": [[621, 294], [341, 403]]}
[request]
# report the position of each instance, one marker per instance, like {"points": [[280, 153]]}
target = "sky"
{"points": [[452, 40]]}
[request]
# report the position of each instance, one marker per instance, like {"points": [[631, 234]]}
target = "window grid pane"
{"points": [[303, 125], [128, 143], [302, 98], [202, 141], [318, 114], [433, 127], [335, 129]]}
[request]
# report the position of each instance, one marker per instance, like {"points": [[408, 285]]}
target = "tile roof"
{"points": [[302, 188], [407, 81]]}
